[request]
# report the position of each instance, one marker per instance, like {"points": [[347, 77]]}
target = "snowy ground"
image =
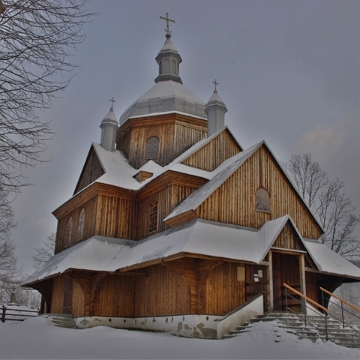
{"points": [[36, 338]]}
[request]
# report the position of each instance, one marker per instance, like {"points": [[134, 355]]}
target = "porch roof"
{"points": [[197, 238]]}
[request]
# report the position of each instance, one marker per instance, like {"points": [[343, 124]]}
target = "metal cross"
{"points": [[112, 101], [167, 19], [216, 83]]}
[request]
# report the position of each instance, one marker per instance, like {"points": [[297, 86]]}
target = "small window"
{"points": [[262, 200], [68, 231], [81, 224], [152, 148], [153, 216]]}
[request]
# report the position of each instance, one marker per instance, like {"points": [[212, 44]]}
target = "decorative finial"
{"points": [[167, 19], [112, 101], [216, 83]]}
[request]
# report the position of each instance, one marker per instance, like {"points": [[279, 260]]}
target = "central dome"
{"points": [[163, 97], [168, 94]]}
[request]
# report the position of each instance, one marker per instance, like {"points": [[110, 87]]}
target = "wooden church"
{"points": [[174, 226]]}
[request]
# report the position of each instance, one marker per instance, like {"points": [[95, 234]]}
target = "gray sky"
{"points": [[288, 72]]}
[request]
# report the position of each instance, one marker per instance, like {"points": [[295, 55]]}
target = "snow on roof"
{"points": [[166, 96], [151, 166], [96, 253], [198, 237], [329, 261], [117, 170]]}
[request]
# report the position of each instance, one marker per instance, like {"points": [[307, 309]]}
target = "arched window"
{"points": [[68, 231], [81, 224], [262, 200], [153, 216], [152, 148], [166, 66], [173, 67]]}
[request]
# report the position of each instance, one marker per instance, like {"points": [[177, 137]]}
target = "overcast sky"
{"points": [[288, 72]]}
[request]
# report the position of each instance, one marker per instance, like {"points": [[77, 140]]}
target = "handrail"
{"points": [[306, 298], [339, 298]]}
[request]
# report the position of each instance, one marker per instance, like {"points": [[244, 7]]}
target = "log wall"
{"points": [[234, 201]]}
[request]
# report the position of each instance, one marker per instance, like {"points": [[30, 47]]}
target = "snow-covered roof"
{"points": [[329, 261], [199, 237], [166, 96], [118, 172]]}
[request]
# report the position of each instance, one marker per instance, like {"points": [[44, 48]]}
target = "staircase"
{"points": [[315, 328], [62, 320]]}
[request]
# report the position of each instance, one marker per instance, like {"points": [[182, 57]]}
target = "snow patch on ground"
{"points": [[37, 338]]}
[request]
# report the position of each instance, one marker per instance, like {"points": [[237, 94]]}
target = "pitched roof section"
{"points": [[118, 172], [221, 173], [199, 237]]}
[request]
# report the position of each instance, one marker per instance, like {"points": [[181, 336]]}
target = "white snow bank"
{"points": [[35, 338]]}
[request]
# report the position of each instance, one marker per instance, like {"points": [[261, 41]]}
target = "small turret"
{"points": [[168, 58], [109, 127], [215, 110]]}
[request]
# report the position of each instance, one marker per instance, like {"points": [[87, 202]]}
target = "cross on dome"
{"points": [[112, 101], [167, 19], [216, 83]]}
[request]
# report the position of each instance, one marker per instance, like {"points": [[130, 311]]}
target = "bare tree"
{"points": [[327, 200], [44, 253], [36, 39], [8, 271]]}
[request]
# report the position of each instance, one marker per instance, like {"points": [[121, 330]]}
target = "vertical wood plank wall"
{"points": [[224, 291], [312, 287], [174, 137], [288, 239], [163, 292], [234, 201], [116, 217], [77, 300], [210, 156], [115, 296], [89, 225], [92, 171], [168, 199], [57, 298]]}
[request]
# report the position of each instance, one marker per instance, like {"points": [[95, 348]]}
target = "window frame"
{"points": [[262, 200], [81, 225], [153, 216], [152, 148]]}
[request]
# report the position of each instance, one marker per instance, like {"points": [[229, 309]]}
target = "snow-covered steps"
{"points": [[315, 328]]}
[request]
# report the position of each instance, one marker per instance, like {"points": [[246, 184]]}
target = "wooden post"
{"points": [[302, 281], [271, 283], [3, 313]]}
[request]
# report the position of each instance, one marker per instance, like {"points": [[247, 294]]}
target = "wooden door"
{"points": [[285, 269], [68, 292]]}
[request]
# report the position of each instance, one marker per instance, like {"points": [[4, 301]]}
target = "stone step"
{"points": [[314, 330]]}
